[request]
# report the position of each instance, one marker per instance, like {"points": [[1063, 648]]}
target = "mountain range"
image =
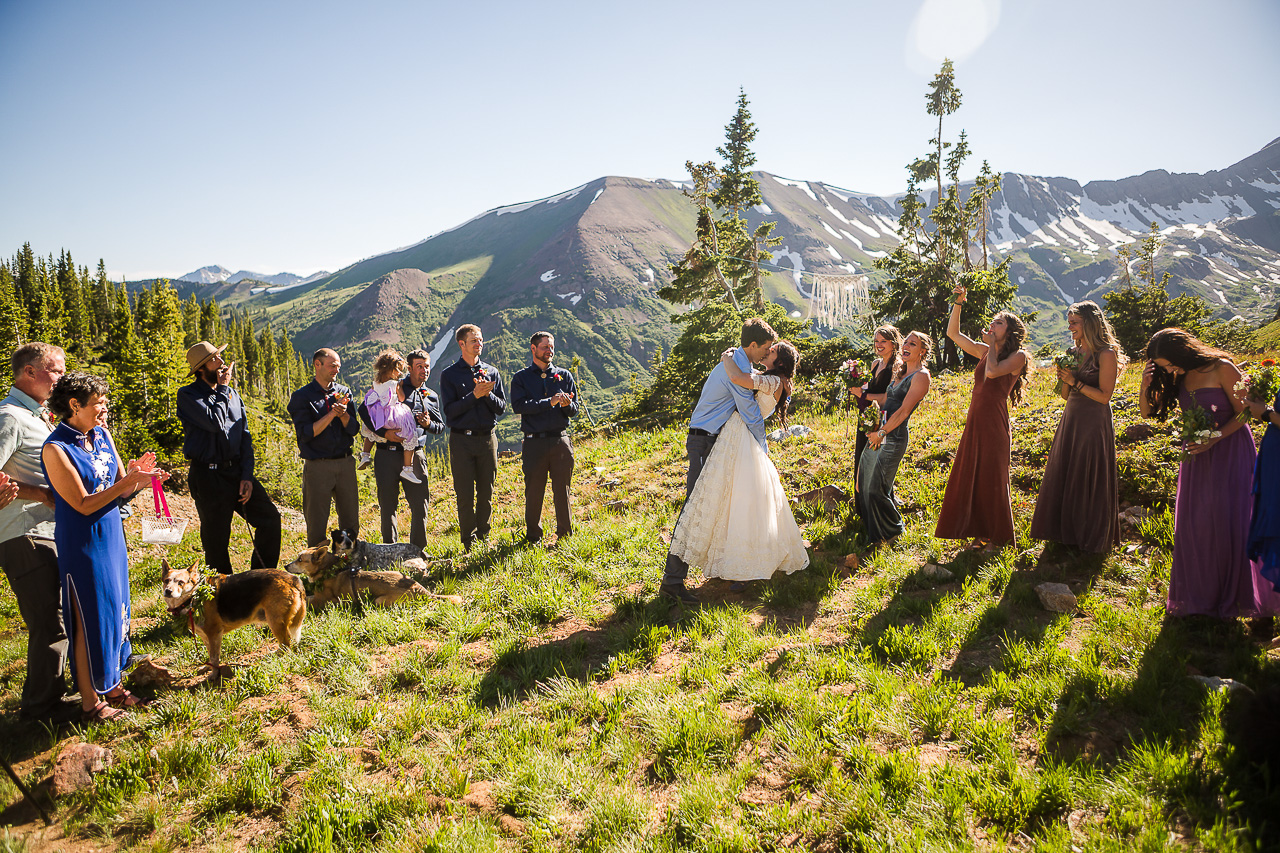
{"points": [[586, 264]]}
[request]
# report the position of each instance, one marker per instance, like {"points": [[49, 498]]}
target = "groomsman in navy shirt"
{"points": [[217, 443], [324, 420], [473, 399], [546, 399]]}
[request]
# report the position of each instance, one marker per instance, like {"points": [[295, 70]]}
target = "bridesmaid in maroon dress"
{"points": [[1211, 574], [1079, 499], [977, 504]]}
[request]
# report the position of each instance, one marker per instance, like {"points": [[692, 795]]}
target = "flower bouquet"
{"points": [[1069, 360], [854, 372], [1260, 386], [869, 419], [1195, 426]]}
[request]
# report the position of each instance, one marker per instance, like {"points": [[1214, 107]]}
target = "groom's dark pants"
{"points": [[698, 445]]}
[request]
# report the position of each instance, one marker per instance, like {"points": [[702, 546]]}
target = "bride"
{"points": [[737, 524]]}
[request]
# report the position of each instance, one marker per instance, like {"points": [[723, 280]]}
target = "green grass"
{"points": [[563, 706]]}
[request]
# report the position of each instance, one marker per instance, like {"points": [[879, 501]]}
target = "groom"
{"points": [[719, 399]]}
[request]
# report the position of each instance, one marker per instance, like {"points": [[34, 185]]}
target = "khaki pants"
{"points": [[325, 479]]}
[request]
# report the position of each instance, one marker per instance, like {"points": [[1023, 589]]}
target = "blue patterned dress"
{"points": [[93, 564]]}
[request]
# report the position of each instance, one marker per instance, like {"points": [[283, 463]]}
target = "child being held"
{"points": [[386, 406]]}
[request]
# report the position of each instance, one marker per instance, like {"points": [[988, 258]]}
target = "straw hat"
{"points": [[202, 352]]}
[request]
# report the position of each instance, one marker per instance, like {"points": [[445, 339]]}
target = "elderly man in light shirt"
{"points": [[27, 553]]}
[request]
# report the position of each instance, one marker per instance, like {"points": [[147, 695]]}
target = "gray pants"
{"points": [[473, 459], [325, 479], [698, 448], [387, 462], [31, 565], [540, 457]]}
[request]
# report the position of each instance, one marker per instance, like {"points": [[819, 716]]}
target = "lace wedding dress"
{"points": [[737, 524]]}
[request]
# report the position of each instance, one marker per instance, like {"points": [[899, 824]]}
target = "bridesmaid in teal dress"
{"points": [[84, 470]]}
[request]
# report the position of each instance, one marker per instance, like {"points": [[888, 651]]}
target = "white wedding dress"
{"points": [[737, 524]]}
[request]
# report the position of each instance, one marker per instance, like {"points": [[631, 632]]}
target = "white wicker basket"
{"points": [[161, 528]]}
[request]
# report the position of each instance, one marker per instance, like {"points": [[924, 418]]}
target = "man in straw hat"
{"points": [[217, 443]]}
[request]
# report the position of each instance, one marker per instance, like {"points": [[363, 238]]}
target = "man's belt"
{"points": [[557, 434], [477, 432], [319, 458], [696, 431], [228, 465]]}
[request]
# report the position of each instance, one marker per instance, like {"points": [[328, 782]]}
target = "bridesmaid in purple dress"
{"points": [[1212, 574]]}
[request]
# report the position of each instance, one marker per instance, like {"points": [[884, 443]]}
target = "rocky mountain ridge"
{"points": [[587, 263]]}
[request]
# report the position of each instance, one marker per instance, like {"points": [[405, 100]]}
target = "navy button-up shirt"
{"points": [[462, 409], [531, 398], [309, 404], [215, 429]]}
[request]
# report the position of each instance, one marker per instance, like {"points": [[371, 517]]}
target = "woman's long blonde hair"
{"points": [[1098, 333]]}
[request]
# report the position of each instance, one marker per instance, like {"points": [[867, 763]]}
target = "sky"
{"points": [[298, 136]]}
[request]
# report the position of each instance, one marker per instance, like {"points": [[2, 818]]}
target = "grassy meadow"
{"points": [[563, 706]]}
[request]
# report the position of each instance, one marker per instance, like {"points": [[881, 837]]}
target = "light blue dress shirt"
{"points": [[720, 398], [22, 435]]}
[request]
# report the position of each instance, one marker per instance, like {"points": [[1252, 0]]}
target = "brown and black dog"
{"points": [[331, 580], [260, 597]]}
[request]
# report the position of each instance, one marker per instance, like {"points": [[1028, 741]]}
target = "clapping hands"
{"points": [[143, 469]]}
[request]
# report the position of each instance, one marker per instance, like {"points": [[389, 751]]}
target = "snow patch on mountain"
{"points": [[797, 263], [438, 350], [866, 229], [549, 275], [800, 185]]}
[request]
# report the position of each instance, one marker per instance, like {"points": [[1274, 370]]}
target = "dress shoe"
{"points": [[678, 592]]}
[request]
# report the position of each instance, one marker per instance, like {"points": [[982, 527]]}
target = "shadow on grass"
{"points": [[1018, 617], [634, 631], [1158, 720]]}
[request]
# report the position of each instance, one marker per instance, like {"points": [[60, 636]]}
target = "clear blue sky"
{"points": [[298, 136]]}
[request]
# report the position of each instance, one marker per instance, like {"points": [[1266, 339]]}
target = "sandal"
{"points": [[124, 699], [103, 713]]}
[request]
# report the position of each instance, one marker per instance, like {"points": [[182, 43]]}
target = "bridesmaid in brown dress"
{"points": [[1079, 500], [977, 504]]}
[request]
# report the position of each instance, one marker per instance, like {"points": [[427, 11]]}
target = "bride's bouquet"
{"points": [[1195, 426], [1070, 360], [1260, 386]]}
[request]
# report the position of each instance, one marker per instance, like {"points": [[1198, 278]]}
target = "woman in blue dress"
{"points": [[84, 471], [1264, 530], [886, 446]]}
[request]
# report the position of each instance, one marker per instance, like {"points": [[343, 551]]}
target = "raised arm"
{"points": [[966, 343], [735, 373]]}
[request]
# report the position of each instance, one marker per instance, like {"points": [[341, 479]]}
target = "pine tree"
{"points": [[719, 277], [13, 325], [932, 259]]}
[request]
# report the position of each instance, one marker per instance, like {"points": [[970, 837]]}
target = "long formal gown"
{"points": [[737, 523], [977, 503], [1211, 573], [878, 385], [877, 504], [1264, 529], [92, 561], [1079, 499]]}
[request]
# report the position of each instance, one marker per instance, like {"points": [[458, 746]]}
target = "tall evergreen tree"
{"points": [[934, 257]]}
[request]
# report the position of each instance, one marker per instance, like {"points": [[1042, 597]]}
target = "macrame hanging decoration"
{"points": [[837, 299]]}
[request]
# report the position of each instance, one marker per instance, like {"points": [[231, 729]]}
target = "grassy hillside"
{"points": [[562, 706]]}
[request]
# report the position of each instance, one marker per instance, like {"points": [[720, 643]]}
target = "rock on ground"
{"points": [[1057, 597], [77, 765]]}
